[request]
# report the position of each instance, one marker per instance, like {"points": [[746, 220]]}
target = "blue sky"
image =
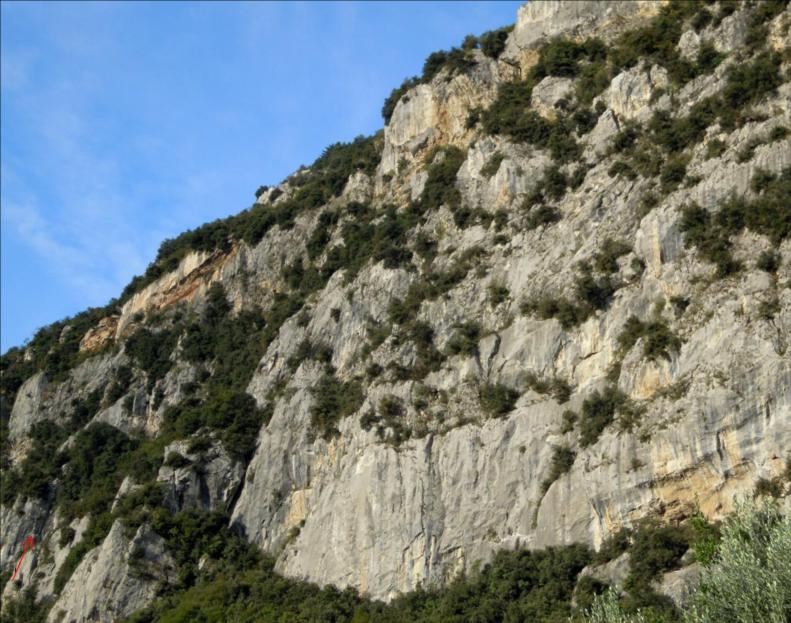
{"points": [[127, 123]]}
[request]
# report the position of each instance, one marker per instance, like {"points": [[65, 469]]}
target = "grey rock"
{"points": [[209, 482], [115, 579]]}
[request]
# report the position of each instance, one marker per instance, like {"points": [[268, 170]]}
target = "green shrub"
{"points": [[708, 58], [715, 148], [749, 82], [510, 115], [561, 57], [673, 173], [498, 400], [598, 412], [440, 187], [492, 165], [768, 261], [308, 350], [557, 387], [751, 580], [232, 413], [766, 215], [658, 339], [778, 133], [333, 401], [395, 95], [606, 260], [92, 476], [465, 339], [593, 293], [541, 215], [498, 293], [492, 42], [562, 461]]}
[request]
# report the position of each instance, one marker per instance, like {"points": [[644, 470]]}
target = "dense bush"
{"points": [[562, 461], [766, 214], [606, 260], [562, 57], [557, 387], [658, 339], [492, 165], [516, 585], [91, 475], [492, 42], [750, 578], [440, 187], [333, 400], [598, 412], [233, 414], [40, 467], [465, 339], [510, 115], [498, 400], [151, 351]]}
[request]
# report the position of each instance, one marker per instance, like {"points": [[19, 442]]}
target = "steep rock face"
{"points": [[536, 21], [389, 502], [205, 479], [115, 579]]}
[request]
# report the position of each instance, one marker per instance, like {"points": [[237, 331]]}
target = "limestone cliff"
{"points": [[552, 299]]}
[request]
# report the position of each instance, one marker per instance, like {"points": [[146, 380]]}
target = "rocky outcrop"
{"points": [[115, 579], [539, 21], [386, 513], [202, 478]]}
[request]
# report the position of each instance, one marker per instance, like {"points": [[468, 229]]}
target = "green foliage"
{"points": [[541, 215], [606, 260], [465, 339], [333, 401], [498, 293], [510, 115], [598, 412], [309, 350], [492, 42], [751, 578], [91, 476], [749, 82], [321, 234], [516, 585], [769, 261], [673, 173], [562, 57], [55, 349], [232, 413], [429, 359], [389, 417], [23, 608], [562, 461], [705, 538], [767, 214], [41, 466], [395, 95], [613, 546], [440, 188], [151, 351], [498, 400], [658, 339], [557, 387], [715, 148], [492, 165]]}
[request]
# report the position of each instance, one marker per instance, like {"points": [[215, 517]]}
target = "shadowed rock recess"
{"points": [[541, 321]]}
